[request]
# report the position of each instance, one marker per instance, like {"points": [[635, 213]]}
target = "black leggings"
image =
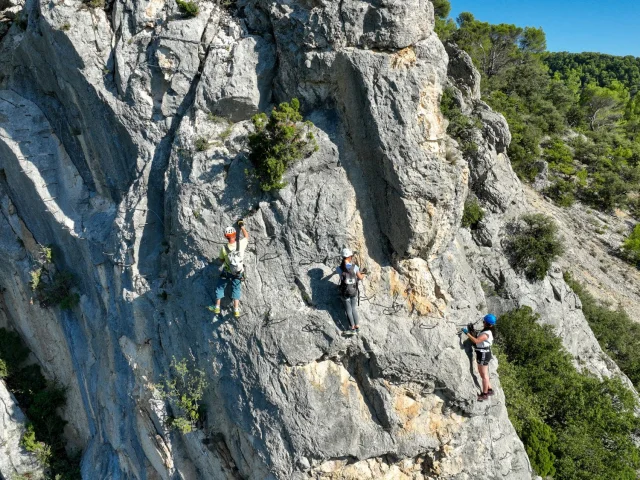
{"points": [[350, 304]]}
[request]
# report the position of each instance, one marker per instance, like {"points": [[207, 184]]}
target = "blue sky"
{"points": [[605, 26]]}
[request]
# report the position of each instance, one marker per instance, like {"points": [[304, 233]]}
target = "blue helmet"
{"points": [[490, 319]]}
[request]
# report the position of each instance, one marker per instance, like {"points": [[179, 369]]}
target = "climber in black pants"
{"points": [[350, 275]]}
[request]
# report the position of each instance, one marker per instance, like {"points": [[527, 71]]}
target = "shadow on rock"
{"points": [[466, 346], [324, 295]]}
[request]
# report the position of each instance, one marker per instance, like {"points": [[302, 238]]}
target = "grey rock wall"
{"points": [[99, 115], [14, 459]]}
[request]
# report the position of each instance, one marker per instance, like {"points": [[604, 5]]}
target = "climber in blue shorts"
{"points": [[232, 258]]}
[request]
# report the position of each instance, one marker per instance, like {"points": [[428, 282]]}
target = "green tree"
{"points": [[603, 106], [278, 142], [533, 245], [540, 441], [631, 246], [572, 422], [559, 156], [184, 389]]}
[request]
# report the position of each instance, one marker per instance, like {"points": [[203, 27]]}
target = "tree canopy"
{"points": [[579, 112]]}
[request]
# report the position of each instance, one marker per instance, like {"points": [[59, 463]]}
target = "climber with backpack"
{"points": [[482, 345], [350, 276], [232, 257]]}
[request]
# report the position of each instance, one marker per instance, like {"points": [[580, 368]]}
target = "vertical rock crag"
{"points": [[100, 111]]}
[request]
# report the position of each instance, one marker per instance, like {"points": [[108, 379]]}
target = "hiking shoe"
{"points": [[236, 313], [491, 392], [482, 397], [214, 309]]}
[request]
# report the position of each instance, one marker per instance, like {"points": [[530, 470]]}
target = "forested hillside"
{"points": [[578, 112], [575, 120]]}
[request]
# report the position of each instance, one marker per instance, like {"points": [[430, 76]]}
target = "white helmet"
{"points": [[346, 252], [229, 231]]}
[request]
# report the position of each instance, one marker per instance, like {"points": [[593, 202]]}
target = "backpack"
{"points": [[234, 261], [348, 284]]}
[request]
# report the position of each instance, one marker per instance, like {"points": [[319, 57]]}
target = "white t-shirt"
{"points": [[231, 247], [488, 342], [355, 269]]}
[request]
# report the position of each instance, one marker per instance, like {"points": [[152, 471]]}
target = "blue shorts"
{"points": [[236, 285]]}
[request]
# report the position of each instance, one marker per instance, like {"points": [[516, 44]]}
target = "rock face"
{"points": [[100, 112], [14, 460]]}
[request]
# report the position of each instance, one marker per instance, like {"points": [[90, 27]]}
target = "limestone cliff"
{"points": [[100, 110]]}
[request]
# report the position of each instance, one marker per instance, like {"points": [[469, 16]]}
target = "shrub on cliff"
{"points": [[460, 125], [184, 390], [533, 245], [616, 332], [571, 422], [631, 247], [187, 8], [472, 215], [57, 290], [278, 142], [40, 400]]}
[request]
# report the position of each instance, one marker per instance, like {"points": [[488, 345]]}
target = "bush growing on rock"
{"points": [[57, 291], [184, 390], [573, 425], [201, 144], [631, 247], [187, 8], [616, 332], [278, 142], [562, 191], [460, 125], [40, 400], [472, 215], [95, 3], [533, 245]]}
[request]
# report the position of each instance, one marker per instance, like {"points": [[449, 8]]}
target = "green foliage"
{"points": [[472, 215], [278, 142], [65, 27], [558, 156], [184, 390], [57, 291], [461, 126], [616, 332], [36, 275], [228, 4], [542, 95], [533, 245], [495, 48], [46, 254], [12, 350], [562, 191], [95, 3], [40, 401], [445, 27], [631, 247], [4, 369], [540, 440], [30, 444], [595, 68], [226, 133], [573, 425], [187, 8], [201, 144]]}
